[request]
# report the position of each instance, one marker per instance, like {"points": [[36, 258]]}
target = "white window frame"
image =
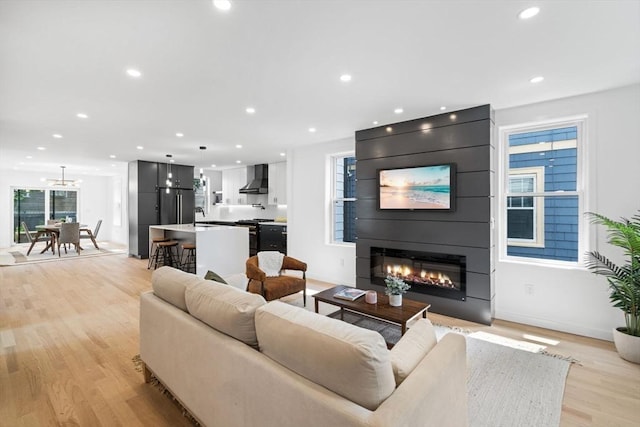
{"points": [[580, 122], [335, 198], [537, 173]]}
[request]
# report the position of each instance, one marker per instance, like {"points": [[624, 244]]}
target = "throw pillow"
{"points": [[214, 276], [412, 348]]}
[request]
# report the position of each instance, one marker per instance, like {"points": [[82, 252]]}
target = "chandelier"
{"points": [[63, 182]]}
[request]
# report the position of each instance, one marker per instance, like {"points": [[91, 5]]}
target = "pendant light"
{"points": [[169, 181]]}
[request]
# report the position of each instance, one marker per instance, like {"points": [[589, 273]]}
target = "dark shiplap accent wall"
{"points": [[462, 137]]}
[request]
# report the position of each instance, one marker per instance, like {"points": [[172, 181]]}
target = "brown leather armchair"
{"points": [[276, 287]]}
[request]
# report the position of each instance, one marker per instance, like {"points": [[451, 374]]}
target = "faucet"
{"points": [[201, 210]]}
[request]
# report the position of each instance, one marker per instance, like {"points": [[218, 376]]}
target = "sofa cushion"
{"points": [[225, 308], [170, 284], [350, 361], [412, 348]]}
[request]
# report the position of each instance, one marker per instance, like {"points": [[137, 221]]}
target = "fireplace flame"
{"points": [[423, 277]]}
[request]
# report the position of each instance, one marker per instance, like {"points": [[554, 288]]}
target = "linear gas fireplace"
{"points": [[431, 273]]}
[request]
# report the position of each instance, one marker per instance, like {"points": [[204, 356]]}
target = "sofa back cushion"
{"points": [[225, 308], [348, 360], [412, 348], [170, 284]]}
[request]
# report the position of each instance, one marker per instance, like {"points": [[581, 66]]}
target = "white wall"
{"points": [[96, 201], [308, 194], [575, 300]]}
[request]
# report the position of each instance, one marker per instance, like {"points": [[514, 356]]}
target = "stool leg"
{"points": [[153, 245]]}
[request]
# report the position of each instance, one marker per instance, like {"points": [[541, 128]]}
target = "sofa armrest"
{"points": [[435, 393]]}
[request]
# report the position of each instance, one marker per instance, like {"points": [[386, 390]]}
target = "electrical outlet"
{"points": [[528, 289]]}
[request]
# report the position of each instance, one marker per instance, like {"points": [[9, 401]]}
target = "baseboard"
{"points": [[571, 328]]}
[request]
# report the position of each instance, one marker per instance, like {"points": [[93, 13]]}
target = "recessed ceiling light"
{"points": [[57, 135], [213, 166], [222, 4], [42, 148], [312, 130], [398, 111], [250, 110], [389, 129], [529, 13], [375, 122], [238, 146], [140, 147], [132, 72], [112, 156], [453, 117], [171, 161], [179, 135], [113, 165], [29, 157], [443, 108], [238, 161], [82, 116], [345, 78], [537, 79], [283, 154]]}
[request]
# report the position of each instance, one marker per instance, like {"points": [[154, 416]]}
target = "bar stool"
{"points": [[167, 255], [188, 264], [155, 250]]}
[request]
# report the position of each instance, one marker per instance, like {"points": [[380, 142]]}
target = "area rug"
{"points": [[508, 386], [17, 255]]}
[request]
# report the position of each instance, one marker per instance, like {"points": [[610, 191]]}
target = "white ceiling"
{"points": [[202, 67]]}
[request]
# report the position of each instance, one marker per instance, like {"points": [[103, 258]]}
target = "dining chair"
{"points": [[69, 233], [39, 237], [93, 235]]}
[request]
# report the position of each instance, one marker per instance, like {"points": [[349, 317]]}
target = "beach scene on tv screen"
{"points": [[426, 187]]}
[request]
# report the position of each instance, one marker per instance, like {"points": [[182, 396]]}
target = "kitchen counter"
{"points": [[284, 224], [220, 248]]}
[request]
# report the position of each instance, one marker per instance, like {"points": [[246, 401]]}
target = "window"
{"points": [[34, 206], [343, 199], [542, 191], [525, 216]]}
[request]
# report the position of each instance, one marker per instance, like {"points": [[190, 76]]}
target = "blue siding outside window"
{"points": [[561, 213]]}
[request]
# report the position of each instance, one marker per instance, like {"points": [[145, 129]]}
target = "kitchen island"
{"points": [[219, 248]]}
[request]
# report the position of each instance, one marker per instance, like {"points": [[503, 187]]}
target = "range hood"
{"points": [[260, 182]]}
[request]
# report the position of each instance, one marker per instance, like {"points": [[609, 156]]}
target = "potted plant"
{"points": [[624, 280], [395, 288]]}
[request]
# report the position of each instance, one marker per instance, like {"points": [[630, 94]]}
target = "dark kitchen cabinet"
{"points": [[147, 195], [143, 205], [273, 237], [181, 176]]}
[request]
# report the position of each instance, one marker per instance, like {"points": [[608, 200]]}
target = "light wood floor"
{"points": [[68, 331]]}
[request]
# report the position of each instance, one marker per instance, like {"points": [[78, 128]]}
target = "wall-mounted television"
{"points": [[417, 188]]}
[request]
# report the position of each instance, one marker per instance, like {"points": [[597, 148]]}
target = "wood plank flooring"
{"points": [[68, 331]]}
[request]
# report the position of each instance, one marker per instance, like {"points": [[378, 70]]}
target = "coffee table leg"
{"points": [[404, 328], [316, 304], [341, 313]]}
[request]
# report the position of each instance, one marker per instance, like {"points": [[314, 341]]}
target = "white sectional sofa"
{"points": [[232, 359]]}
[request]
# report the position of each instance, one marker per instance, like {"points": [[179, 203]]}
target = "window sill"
{"points": [[538, 262]]}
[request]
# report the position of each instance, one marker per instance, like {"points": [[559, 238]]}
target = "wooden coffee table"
{"points": [[381, 310]]}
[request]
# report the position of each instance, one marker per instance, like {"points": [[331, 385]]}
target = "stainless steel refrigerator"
{"points": [[176, 206]]}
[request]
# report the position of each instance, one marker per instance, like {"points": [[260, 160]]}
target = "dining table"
{"points": [[53, 230]]}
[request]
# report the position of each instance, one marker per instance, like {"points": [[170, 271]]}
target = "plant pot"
{"points": [[395, 300], [628, 346]]}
